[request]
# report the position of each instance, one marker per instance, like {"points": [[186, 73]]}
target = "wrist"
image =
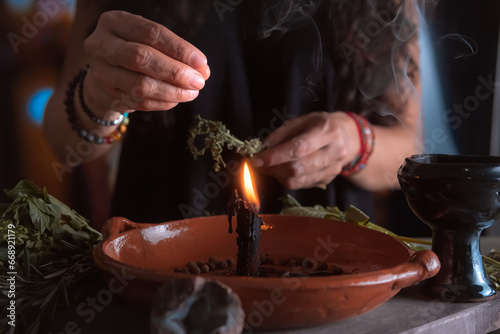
{"points": [[91, 107], [350, 136], [101, 132], [366, 139]]}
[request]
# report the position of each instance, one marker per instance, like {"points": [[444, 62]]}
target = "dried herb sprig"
{"points": [[356, 216], [52, 245], [492, 266], [216, 136]]}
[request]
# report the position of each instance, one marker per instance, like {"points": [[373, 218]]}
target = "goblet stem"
{"points": [[462, 277]]}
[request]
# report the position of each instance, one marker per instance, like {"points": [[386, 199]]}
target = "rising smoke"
{"points": [[283, 16], [369, 40]]}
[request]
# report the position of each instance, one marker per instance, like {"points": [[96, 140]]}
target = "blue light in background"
{"points": [[71, 6], [24, 5], [37, 103], [433, 105], [18, 5]]}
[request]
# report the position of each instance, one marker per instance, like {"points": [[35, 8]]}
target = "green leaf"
{"points": [[27, 266], [289, 201], [3, 254], [3, 208], [23, 188], [55, 274], [17, 209], [39, 218], [46, 195], [355, 215], [315, 211], [49, 296]]}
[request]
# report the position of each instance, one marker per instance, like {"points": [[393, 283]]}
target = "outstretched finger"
{"points": [[143, 31], [149, 61], [126, 89]]}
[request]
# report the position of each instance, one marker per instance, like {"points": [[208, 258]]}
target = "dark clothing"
{"points": [[255, 85]]}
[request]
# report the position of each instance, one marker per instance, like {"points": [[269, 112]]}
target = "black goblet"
{"points": [[458, 197]]}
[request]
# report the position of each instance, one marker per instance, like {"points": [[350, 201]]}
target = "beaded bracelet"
{"points": [[86, 109], [367, 141], [69, 102]]}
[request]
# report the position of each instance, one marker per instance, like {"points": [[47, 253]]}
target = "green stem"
{"points": [[492, 262], [415, 241], [233, 140]]}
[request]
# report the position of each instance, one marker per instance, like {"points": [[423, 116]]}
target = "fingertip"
{"points": [[197, 60], [256, 162], [205, 72], [196, 81], [268, 142], [193, 94]]}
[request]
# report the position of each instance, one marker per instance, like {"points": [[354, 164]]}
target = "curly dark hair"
{"points": [[373, 42]]}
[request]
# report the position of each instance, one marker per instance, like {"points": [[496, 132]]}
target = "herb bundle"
{"points": [[45, 249], [215, 136]]}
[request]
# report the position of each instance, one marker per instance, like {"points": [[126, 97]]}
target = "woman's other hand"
{"points": [[309, 151]]}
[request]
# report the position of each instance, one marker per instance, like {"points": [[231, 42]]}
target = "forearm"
{"points": [[393, 145], [65, 143]]}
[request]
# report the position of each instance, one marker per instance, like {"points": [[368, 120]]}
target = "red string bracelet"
{"points": [[367, 142]]}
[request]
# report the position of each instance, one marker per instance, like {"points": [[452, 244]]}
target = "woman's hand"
{"points": [[137, 64], [309, 151]]}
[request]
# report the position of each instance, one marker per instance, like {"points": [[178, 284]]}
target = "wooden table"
{"points": [[408, 312]]}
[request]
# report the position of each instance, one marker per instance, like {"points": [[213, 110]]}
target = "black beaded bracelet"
{"points": [[86, 109], [69, 102]]}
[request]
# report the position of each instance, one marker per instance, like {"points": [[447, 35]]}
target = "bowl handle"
{"points": [[422, 265], [117, 225]]}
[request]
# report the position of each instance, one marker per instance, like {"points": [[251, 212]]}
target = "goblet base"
{"points": [[462, 277], [451, 292]]}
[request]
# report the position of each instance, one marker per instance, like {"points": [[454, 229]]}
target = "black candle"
{"points": [[248, 227]]}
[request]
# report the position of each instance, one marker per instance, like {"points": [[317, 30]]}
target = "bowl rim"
{"points": [[469, 160], [462, 168], [418, 265]]}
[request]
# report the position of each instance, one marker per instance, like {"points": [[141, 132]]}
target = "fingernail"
{"points": [[196, 60], [257, 162], [196, 81], [207, 72]]}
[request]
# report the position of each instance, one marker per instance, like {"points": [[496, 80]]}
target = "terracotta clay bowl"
{"points": [[377, 266]]}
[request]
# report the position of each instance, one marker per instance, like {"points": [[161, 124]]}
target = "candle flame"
{"points": [[248, 189]]}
